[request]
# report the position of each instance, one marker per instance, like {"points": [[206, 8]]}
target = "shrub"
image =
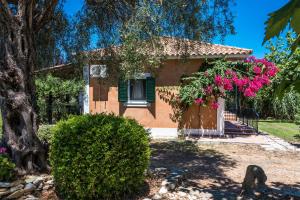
{"points": [[98, 156], [6, 166], [44, 133]]}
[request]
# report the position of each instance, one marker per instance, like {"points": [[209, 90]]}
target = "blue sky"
{"points": [[249, 22]]}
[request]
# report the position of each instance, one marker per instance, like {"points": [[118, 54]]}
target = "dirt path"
{"points": [[219, 169]]}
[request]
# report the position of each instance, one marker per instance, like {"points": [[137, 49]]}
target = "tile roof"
{"points": [[179, 47], [176, 47]]}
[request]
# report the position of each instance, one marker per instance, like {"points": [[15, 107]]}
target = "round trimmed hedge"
{"points": [[98, 156]]}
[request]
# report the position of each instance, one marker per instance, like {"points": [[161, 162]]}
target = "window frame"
{"points": [[137, 103]]}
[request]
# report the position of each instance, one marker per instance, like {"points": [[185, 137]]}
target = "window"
{"points": [[137, 90]]}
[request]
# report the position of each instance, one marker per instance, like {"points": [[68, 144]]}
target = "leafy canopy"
{"points": [[142, 23], [289, 14], [289, 64]]}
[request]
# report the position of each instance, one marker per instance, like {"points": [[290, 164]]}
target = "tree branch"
{"points": [[45, 15]]}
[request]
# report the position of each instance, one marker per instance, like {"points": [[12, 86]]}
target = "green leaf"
{"points": [[296, 43], [279, 19]]}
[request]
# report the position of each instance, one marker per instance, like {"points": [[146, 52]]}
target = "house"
{"points": [[146, 98]]}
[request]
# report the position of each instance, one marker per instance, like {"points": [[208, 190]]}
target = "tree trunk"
{"points": [[255, 179], [17, 89]]}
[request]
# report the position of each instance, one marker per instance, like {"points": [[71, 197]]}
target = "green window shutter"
{"points": [[122, 91], [150, 89]]}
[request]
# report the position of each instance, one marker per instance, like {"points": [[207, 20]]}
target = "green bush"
{"points": [[6, 167], [44, 133], [98, 156]]}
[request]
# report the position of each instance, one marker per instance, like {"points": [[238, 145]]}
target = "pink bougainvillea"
{"points": [[257, 70], [227, 84], [249, 80], [208, 90], [218, 80], [215, 105], [199, 101]]}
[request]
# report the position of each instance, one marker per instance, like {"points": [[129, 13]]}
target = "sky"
{"points": [[249, 22]]}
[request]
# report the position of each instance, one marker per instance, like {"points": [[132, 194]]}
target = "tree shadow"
{"points": [[285, 191], [206, 168]]}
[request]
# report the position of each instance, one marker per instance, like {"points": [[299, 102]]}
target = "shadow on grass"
{"points": [[205, 167]]}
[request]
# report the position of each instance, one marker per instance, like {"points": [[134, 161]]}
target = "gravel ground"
{"points": [[219, 169]]}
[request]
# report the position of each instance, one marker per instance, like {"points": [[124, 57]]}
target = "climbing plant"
{"points": [[220, 77]]}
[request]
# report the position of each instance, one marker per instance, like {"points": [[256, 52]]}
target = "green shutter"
{"points": [[122, 91], [150, 89]]}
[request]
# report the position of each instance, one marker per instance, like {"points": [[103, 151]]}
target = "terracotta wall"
{"points": [[104, 98]]}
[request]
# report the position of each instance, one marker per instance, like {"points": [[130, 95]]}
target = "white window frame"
{"points": [[137, 103]]}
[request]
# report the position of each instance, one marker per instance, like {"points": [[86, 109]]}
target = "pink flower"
{"points": [[3, 150], [208, 90], [249, 93], [215, 105], [245, 81], [257, 70], [199, 101], [218, 80], [272, 71], [265, 80], [227, 84]]}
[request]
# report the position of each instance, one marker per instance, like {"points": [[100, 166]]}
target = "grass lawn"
{"points": [[286, 130]]}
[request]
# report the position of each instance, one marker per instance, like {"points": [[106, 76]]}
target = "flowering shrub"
{"points": [[248, 76], [6, 166]]}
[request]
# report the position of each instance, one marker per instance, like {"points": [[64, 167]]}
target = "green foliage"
{"points": [[45, 132], [137, 25], [289, 14], [287, 107], [98, 156], [268, 105], [59, 89], [52, 42], [289, 76], [281, 99], [6, 168]]}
